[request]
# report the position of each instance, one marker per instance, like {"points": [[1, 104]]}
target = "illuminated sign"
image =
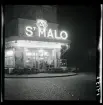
{"points": [[41, 28], [42, 25]]}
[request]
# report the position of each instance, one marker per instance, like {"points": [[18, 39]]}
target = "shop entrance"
{"points": [[43, 59], [39, 58]]}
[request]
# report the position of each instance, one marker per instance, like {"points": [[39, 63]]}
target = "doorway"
{"points": [[43, 59]]}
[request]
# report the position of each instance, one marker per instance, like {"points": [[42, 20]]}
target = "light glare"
{"points": [[10, 53], [61, 35], [28, 54], [38, 44]]}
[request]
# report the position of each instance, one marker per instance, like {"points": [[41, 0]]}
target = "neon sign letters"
{"points": [[42, 30], [42, 25]]}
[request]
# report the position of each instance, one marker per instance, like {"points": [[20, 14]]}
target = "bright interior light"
{"points": [[34, 54], [41, 54], [9, 53], [28, 54], [38, 44], [45, 53], [27, 61], [41, 51], [26, 49]]}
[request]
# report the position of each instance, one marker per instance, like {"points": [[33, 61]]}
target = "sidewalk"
{"points": [[40, 75]]}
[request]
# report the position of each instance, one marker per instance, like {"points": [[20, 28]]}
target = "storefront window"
{"points": [[9, 58], [9, 62], [36, 57], [28, 53], [34, 54], [46, 53]]}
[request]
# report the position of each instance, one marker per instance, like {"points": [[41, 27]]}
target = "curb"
{"points": [[41, 76]]}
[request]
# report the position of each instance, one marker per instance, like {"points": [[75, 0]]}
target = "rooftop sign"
{"points": [[41, 28]]}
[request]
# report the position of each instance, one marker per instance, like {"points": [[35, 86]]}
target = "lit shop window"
{"points": [[28, 53], [9, 61], [27, 61], [41, 52], [26, 49], [9, 53], [34, 54], [9, 58], [46, 54]]}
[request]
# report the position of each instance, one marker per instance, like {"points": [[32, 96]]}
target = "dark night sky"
{"points": [[80, 23]]}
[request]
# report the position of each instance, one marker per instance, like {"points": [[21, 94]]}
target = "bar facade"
{"points": [[34, 44]]}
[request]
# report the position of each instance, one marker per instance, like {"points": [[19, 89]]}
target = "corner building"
{"points": [[35, 43]]}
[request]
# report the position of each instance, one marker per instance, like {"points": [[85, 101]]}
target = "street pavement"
{"points": [[40, 75], [77, 87]]}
